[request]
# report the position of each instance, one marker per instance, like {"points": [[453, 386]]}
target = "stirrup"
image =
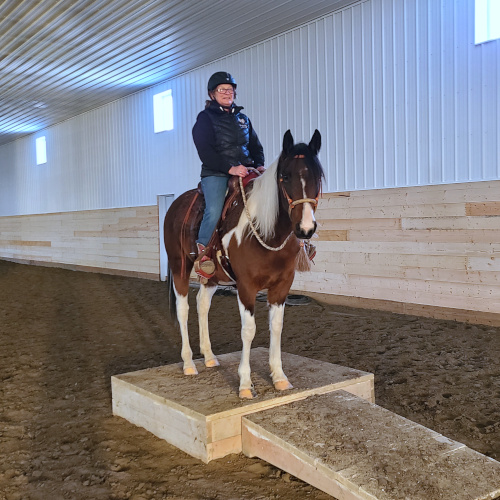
{"points": [[204, 266]]}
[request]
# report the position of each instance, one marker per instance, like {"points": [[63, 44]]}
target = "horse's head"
{"points": [[299, 177]]}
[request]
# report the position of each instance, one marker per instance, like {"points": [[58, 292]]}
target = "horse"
{"points": [[261, 237]]}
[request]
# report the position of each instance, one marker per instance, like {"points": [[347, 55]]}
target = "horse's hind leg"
{"points": [[182, 307], [203, 302]]}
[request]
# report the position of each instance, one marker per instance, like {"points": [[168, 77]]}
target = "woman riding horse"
{"points": [[227, 144], [261, 236]]}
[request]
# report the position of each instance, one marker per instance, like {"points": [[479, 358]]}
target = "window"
{"points": [[163, 111], [41, 150], [487, 22]]}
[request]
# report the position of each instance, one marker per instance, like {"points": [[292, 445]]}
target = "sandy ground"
{"points": [[63, 334]]}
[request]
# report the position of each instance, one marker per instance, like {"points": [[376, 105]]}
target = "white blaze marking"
{"points": [[308, 220]]}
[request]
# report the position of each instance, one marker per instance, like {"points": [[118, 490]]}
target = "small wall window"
{"points": [[487, 20], [163, 111], [41, 150]]}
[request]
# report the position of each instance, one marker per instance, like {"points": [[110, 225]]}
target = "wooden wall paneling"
{"points": [[450, 223], [346, 224], [396, 211], [429, 249], [121, 240], [425, 235], [426, 248], [483, 209]]}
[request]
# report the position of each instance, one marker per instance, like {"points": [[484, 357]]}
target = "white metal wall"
{"points": [[398, 89]]}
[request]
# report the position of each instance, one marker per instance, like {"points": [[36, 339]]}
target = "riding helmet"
{"points": [[219, 78]]}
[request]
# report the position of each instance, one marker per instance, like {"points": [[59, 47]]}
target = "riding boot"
{"points": [[204, 266]]}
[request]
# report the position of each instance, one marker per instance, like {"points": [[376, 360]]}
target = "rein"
{"points": [[183, 228]]}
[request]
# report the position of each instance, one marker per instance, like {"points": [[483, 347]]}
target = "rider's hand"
{"points": [[261, 169], [239, 170]]}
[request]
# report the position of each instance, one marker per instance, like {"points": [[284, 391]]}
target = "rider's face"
{"points": [[224, 94]]}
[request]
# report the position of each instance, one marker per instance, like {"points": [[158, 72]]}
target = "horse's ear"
{"points": [[287, 142], [315, 144]]}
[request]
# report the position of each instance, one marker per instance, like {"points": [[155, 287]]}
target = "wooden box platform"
{"points": [[353, 449], [202, 414]]}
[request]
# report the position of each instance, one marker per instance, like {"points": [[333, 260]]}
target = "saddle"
{"points": [[215, 249]]}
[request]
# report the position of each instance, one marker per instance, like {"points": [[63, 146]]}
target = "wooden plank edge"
{"points": [[188, 435], [77, 213], [194, 448], [223, 426], [118, 384], [364, 390], [223, 447], [290, 398], [257, 442], [426, 311], [85, 269]]}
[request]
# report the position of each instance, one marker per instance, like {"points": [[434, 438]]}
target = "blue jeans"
{"points": [[214, 189]]}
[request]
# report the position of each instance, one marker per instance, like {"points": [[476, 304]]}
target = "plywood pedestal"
{"points": [[202, 414], [326, 431]]}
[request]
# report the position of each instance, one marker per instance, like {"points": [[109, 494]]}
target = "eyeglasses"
{"points": [[225, 91]]}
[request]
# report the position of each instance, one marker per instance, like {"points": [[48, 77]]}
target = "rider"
{"points": [[227, 144]]}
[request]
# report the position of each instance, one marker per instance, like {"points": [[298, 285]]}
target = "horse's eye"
{"points": [[285, 177]]}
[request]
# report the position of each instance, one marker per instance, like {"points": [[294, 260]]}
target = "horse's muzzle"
{"points": [[305, 234]]}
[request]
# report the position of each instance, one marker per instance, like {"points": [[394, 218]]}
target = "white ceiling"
{"points": [[59, 58]]}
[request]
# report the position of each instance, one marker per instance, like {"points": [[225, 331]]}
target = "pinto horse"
{"points": [[261, 238]]}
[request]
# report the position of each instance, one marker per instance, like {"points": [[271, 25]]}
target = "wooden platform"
{"points": [[353, 449], [202, 415]]}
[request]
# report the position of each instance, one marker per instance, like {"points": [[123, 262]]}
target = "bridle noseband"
{"points": [[291, 203]]}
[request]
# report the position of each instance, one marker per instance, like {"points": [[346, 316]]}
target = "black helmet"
{"points": [[219, 78]]}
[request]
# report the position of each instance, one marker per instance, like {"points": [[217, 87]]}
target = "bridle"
{"points": [[293, 203]]}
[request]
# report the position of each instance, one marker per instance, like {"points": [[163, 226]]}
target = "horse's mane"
{"points": [[263, 200]]}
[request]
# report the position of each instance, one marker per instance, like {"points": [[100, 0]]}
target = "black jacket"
{"points": [[225, 139]]}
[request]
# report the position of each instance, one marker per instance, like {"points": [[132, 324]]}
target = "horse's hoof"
{"points": [[282, 385], [247, 394], [211, 363], [190, 370]]}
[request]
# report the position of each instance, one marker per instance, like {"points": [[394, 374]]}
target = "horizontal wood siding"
{"points": [[116, 241], [428, 250], [432, 250]]}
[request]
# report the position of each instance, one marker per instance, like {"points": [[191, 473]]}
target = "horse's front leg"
{"points": [[247, 307], [182, 309], [276, 314], [203, 302]]}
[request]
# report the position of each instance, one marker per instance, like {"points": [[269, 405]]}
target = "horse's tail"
{"points": [[172, 300]]}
